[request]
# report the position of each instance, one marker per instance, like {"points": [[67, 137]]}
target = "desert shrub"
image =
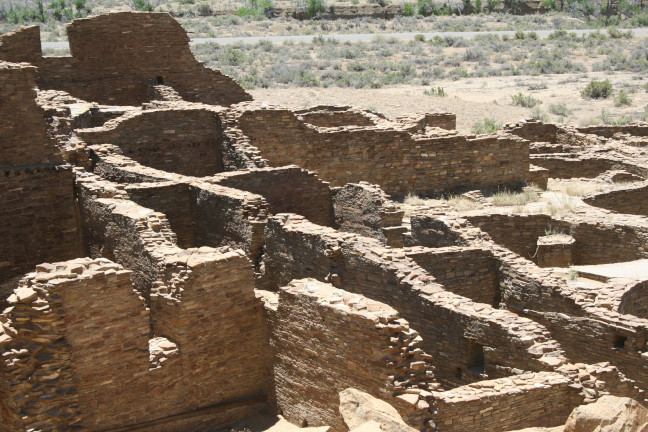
{"points": [[255, 8], [204, 9], [538, 114], [408, 9], [486, 126], [439, 91], [44, 11], [141, 5], [314, 7], [474, 55], [419, 38], [622, 98], [526, 101], [597, 90], [560, 109]]}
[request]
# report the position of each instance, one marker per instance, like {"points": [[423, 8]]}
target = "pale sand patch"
{"points": [[473, 99]]}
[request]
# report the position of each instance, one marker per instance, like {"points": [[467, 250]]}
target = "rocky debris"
{"points": [[609, 414], [364, 413]]}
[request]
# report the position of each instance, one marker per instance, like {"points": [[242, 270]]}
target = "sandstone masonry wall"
{"points": [[365, 209], [37, 208], [469, 272], [325, 340], [287, 190], [117, 57], [629, 200], [172, 199], [185, 141], [453, 327], [383, 156], [22, 46], [540, 399], [588, 332]]}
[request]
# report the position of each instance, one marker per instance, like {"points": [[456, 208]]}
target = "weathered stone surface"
{"points": [[363, 412], [609, 414]]}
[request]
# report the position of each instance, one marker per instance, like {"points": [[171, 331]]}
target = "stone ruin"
{"points": [[176, 256]]}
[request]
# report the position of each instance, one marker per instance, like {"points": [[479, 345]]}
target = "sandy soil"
{"points": [[475, 98]]}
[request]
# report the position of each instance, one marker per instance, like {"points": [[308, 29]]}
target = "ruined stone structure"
{"points": [[178, 257]]}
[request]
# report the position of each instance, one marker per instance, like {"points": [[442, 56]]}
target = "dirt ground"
{"points": [[476, 98]]}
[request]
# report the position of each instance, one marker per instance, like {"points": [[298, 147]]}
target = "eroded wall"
{"points": [[37, 206], [344, 340], [392, 158]]}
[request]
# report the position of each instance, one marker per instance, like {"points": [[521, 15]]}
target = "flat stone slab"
{"points": [[629, 270], [271, 423]]}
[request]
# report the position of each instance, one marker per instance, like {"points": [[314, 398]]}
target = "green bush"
{"points": [[408, 9], [255, 8], [419, 38], [486, 126], [597, 90], [526, 101], [622, 98], [313, 7], [61, 10]]}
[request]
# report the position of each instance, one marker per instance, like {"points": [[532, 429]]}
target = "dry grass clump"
{"points": [[414, 200], [507, 198], [577, 188], [461, 203], [558, 204]]}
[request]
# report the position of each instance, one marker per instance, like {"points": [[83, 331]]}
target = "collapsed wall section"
{"points": [[344, 340], [365, 209]]}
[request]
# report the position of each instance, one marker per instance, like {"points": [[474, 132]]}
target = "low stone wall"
{"points": [[395, 159], [635, 301], [534, 131], [543, 399], [468, 272], [420, 123], [629, 200], [332, 116], [588, 331], [635, 129], [520, 233], [345, 340], [575, 167], [173, 140], [596, 243], [287, 190], [467, 340]]}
